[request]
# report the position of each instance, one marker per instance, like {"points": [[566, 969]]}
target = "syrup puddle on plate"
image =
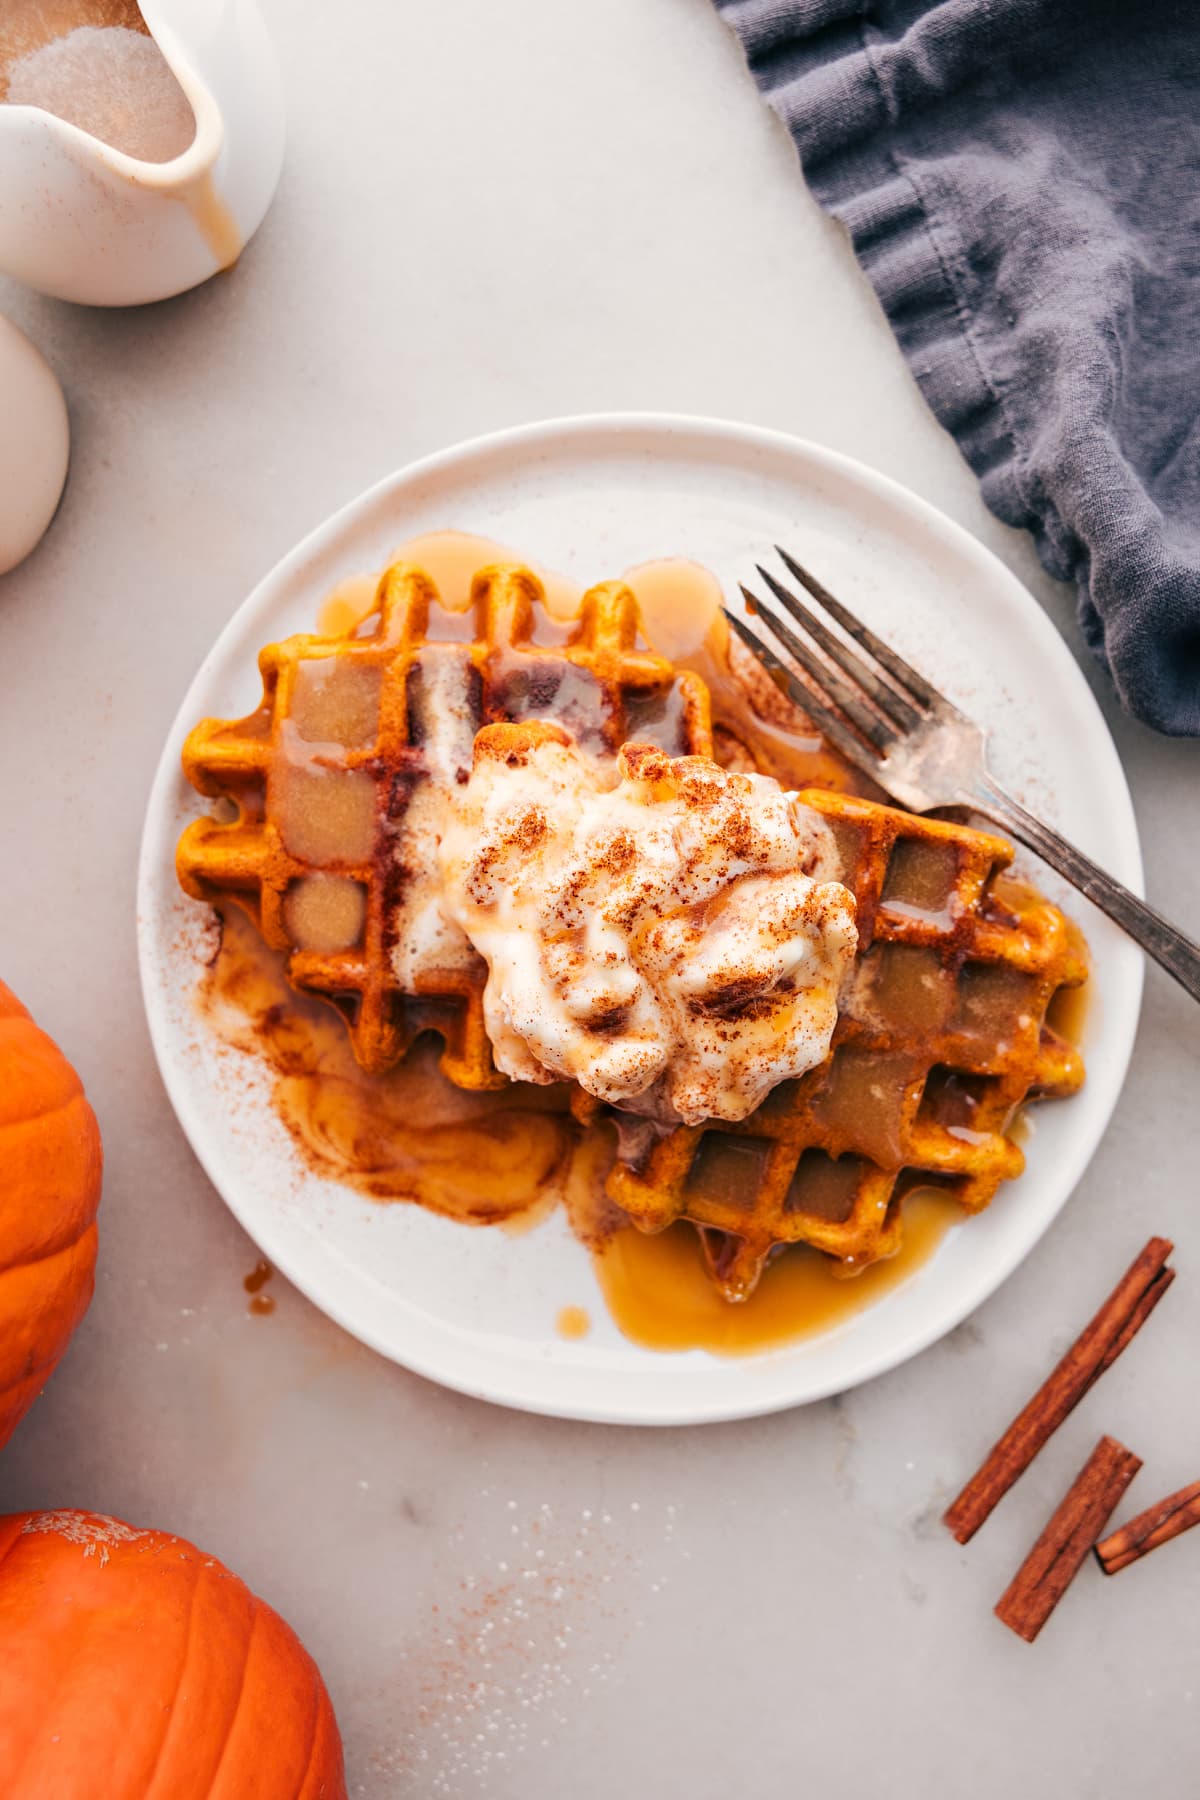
{"points": [[502, 1157], [680, 603], [661, 1296]]}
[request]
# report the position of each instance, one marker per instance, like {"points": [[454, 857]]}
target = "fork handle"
{"points": [[1174, 952]]}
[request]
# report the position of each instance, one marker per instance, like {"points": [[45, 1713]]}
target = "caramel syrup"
{"points": [[510, 1156], [661, 1295], [451, 559], [258, 1277], [503, 1157], [680, 602], [1070, 1011], [214, 221], [259, 1303], [681, 606], [347, 605]]}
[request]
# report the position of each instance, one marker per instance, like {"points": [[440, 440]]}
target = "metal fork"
{"points": [[889, 721]]}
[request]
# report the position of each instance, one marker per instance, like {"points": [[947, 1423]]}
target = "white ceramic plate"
{"points": [[476, 1309]]}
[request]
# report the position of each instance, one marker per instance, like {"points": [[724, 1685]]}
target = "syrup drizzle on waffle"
{"points": [[942, 1035]]}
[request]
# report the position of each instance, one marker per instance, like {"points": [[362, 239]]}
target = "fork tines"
{"points": [[871, 698]]}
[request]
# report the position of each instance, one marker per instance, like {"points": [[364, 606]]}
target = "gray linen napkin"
{"points": [[1021, 181]]}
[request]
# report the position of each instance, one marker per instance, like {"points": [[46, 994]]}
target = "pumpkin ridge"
{"points": [[71, 1097], [32, 1262], [55, 1299], [51, 1170], [46, 1368], [172, 1714], [60, 1685], [109, 1630], [314, 1744], [47, 1113], [314, 1732], [56, 1296], [36, 1084], [255, 1616]]}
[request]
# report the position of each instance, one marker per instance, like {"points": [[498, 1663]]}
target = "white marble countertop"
{"points": [[490, 215]]}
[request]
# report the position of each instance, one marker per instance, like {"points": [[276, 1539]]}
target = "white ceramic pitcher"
{"points": [[84, 221]]}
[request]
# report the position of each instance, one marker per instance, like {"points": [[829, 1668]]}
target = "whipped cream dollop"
{"points": [[674, 943]]}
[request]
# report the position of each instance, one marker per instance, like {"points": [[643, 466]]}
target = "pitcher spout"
{"points": [[139, 149]]}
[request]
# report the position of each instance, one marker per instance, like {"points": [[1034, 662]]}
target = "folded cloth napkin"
{"points": [[1021, 181]]}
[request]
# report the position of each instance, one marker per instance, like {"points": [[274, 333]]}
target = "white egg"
{"points": [[34, 445]]}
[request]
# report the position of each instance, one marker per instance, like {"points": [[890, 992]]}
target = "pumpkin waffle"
{"points": [[338, 782], [941, 1035]]}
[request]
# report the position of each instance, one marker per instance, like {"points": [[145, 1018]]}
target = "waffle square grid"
{"points": [[942, 1034], [400, 682]]}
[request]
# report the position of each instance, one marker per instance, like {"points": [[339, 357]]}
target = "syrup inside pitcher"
{"points": [[94, 64]]}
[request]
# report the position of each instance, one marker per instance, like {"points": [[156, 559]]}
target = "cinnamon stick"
{"points": [[1055, 1559], [1157, 1525], [1137, 1318], [1095, 1349]]}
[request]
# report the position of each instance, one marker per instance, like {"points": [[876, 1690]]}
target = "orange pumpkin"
{"points": [[137, 1668], [49, 1191]]}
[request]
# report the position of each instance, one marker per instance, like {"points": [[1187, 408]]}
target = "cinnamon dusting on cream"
{"points": [[674, 943]]}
